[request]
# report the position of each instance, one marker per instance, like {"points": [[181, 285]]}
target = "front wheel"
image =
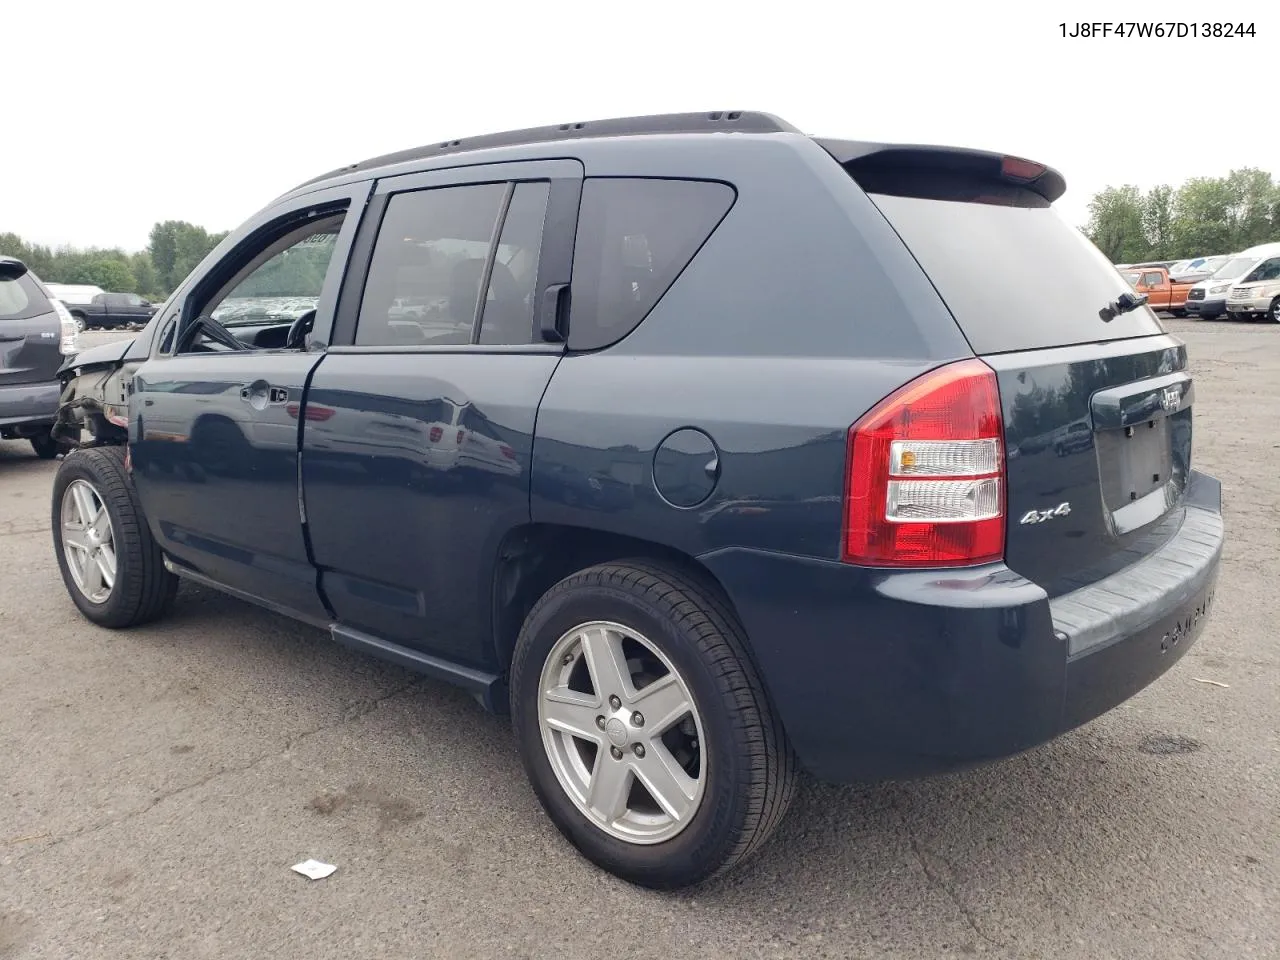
{"points": [[644, 728], [1274, 313], [112, 567]]}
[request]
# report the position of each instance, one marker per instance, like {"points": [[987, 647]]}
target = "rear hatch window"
{"points": [[1014, 273], [21, 298]]}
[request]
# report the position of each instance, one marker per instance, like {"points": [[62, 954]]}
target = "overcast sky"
{"points": [[130, 112]]}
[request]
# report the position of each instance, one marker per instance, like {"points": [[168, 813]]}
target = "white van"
{"points": [[1208, 298], [1256, 294], [74, 292]]}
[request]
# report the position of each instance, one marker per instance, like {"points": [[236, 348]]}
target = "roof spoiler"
{"points": [[876, 160], [11, 269]]}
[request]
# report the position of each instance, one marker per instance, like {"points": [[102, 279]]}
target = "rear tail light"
{"points": [[68, 332], [461, 436], [436, 433], [507, 451], [925, 483]]}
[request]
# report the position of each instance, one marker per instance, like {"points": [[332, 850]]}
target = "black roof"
{"points": [[718, 121]]}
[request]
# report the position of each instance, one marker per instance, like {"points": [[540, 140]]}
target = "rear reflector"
{"points": [[925, 474]]}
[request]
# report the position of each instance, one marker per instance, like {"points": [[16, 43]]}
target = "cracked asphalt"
{"points": [[157, 784]]}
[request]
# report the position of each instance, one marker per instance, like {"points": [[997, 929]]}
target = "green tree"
{"points": [[1115, 224], [1205, 217], [1157, 220], [146, 279], [177, 247], [106, 272]]}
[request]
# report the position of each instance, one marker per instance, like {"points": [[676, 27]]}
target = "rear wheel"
{"points": [[643, 727], [81, 326], [112, 568], [1274, 313], [1179, 313]]}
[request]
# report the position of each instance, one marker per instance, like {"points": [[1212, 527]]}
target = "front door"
{"points": [[215, 414], [418, 426]]}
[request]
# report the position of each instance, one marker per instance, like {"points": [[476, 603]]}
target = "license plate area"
{"points": [[1143, 469]]}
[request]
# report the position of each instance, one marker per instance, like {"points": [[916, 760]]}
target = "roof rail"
{"points": [[718, 121]]}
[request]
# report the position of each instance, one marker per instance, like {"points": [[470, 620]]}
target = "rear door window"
{"points": [[428, 266], [635, 236], [1013, 272]]}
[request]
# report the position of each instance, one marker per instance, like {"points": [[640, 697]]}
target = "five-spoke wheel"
{"points": [[643, 726], [622, 732], [88, 541]]}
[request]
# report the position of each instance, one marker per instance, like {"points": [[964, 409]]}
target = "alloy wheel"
{"points": [[88, 541], [622, 732]]}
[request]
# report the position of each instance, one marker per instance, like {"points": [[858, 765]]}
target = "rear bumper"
{"points": [[880, 674], [28, 404]]}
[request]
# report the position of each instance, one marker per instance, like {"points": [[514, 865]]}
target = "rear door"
{"points": [[418, 424], [1026, 288], [214, 413], [30, 355]]}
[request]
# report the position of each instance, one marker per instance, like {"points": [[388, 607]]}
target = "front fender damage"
{"points": [[94, 406]]}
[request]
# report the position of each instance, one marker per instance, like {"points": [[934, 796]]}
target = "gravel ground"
{"points": [[156, 785]]}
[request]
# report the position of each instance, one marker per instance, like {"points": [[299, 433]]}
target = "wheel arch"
{"points": [[535, 557]]}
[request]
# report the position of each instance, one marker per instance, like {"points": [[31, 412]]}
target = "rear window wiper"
{"points": [[1125, 303]]}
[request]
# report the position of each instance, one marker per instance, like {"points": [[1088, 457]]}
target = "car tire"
{"points": [[116, 575], [1179, 313], [739, 772], [1274, 313], [81, 325]]}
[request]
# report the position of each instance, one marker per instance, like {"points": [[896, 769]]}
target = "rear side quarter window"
{"points": [[635, 237]]}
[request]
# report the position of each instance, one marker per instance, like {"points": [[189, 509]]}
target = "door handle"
{"points": [[555, 302]]}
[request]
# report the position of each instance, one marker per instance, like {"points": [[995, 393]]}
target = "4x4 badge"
{"points": [[1040, 516]]}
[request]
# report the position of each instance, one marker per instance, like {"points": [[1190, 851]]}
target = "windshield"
{"points": [[1234, 267]]}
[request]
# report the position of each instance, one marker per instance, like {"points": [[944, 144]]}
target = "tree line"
{"points": [[1203, 217], [173, 250]]}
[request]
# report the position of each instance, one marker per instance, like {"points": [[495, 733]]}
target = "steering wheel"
{"points": [[299, 329]]}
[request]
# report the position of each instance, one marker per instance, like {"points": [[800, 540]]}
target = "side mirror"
{"points": [[12, 269]]}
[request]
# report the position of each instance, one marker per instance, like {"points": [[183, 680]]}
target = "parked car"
{"points": [[694, 307], [73, 293], [36, 332], [1197, 270], [111, 311], [1207, 299], [1256, 295], [1162, 292]]}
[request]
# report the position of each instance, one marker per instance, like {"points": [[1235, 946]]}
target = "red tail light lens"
{"points": [[925, 483], [507, 451], [436, 433]]}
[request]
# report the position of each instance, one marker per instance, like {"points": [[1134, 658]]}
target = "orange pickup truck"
{"points": [[1162, 292]]}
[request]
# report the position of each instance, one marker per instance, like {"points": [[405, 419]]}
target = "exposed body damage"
{"points": [[94, 407]]}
